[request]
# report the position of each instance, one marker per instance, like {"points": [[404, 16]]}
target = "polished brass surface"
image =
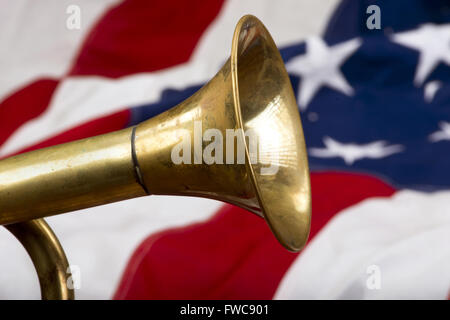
{"points": [[48, 258], [252, 91], [265, 102], [68, 177]]}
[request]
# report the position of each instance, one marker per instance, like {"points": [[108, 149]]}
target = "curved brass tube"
{"points": [[47, 255]]}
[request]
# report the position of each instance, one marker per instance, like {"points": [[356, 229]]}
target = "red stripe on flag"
{"points": [[133, 37], [144, 35], [113, 122], [24, 105], [233, 255]]}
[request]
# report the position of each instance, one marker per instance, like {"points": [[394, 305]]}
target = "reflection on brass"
{"points": [[252, 91]]}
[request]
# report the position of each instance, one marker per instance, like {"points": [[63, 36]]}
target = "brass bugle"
{"points": [[252, 92]]}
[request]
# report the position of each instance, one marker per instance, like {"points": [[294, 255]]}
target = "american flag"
{"points": [[374, 107]]}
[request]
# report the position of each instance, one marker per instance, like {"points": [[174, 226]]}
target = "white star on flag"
{"points": [[352, 152], [443, 134], [320, 66], [430, 90], [433, 42]]}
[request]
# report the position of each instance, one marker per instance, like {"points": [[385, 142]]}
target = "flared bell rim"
{"points": [[284, 232]]}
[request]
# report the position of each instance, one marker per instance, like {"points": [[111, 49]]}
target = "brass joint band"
{"points": [[136, 166]]}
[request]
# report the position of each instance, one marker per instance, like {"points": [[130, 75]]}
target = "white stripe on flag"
{"points": [[404, 239], [100, 242], [35, 42]]}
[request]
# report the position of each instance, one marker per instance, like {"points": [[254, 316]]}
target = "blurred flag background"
{"points": [[375, 110]]}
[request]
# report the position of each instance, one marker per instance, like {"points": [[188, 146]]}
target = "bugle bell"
{"points": [[203, 147]]}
